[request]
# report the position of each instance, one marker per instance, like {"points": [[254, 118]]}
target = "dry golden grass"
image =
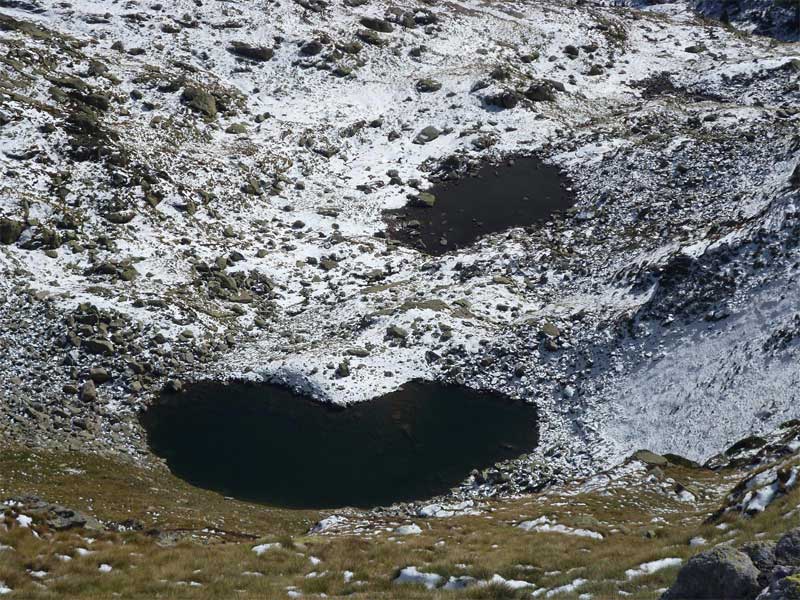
{"points": [[206, 566]]}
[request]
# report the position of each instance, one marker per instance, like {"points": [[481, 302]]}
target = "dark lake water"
{"points": [[264, 444], [495, 198]]}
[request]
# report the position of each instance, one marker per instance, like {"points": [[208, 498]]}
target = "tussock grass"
{"points": [[180, 560]]}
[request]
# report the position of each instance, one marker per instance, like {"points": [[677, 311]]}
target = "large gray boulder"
{"points": [[784, 585], [787, 552], [722, 573], [428, 134], [763, 556], [10, 231]]}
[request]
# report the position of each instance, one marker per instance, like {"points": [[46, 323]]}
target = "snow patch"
{"points": [[545, 525], [649, 568], [413, 576]]}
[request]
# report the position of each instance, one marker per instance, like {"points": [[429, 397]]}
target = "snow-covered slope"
{"points": [[194, 190]]}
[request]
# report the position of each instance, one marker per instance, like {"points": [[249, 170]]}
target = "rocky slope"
{"points": [[197, 190]]}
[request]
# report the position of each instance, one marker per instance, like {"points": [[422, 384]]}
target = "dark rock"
{"points": [[370, 37], [427, 135], [88, 391], [763, 556], [173, 386], [650, 458], [787, 551], [343, 370], [540, 92], [782, 588], [424, 200], [379, 25], [504, 99], [396, 332], [682, 461], [311, 48], [10, 230], [428, 85], [98, 346], [254, 53], [99, 374], [722, 573], [61, 518], [200, 100]]}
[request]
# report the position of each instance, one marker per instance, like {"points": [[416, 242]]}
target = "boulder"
{"points": [[425, 86], [370, 37], [682, 461], [540, 92], [88, 391], [650, 458], [254, 53], [236, 129], [428, 134], [504, 99], [10, 231], [722, 573], [763, 556], [787, 551], [396, 332], [784, 585], [424, 200], [173, 386], [200, 100], [61, 518], [99, 375], [98, 346], [379, 25], [311, 48]]}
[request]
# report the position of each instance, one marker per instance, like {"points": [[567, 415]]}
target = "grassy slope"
{"points": [[148, 565]]}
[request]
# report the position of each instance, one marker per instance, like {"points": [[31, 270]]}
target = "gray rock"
{"points": [[650, 458], [311, 48], [428, 85], [763, 556], [173, 386], [784, 585], [61, 518], [424, 200], [255, 53], [428, 134], [540, 92], [504, 99], [99, 374], [370, 37], [379, 25], [88, 391], [200, 100], [10, 230], [787, 551], [98, 346], [722, 573], [396, 332], [236, 129], [343, 370]]}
